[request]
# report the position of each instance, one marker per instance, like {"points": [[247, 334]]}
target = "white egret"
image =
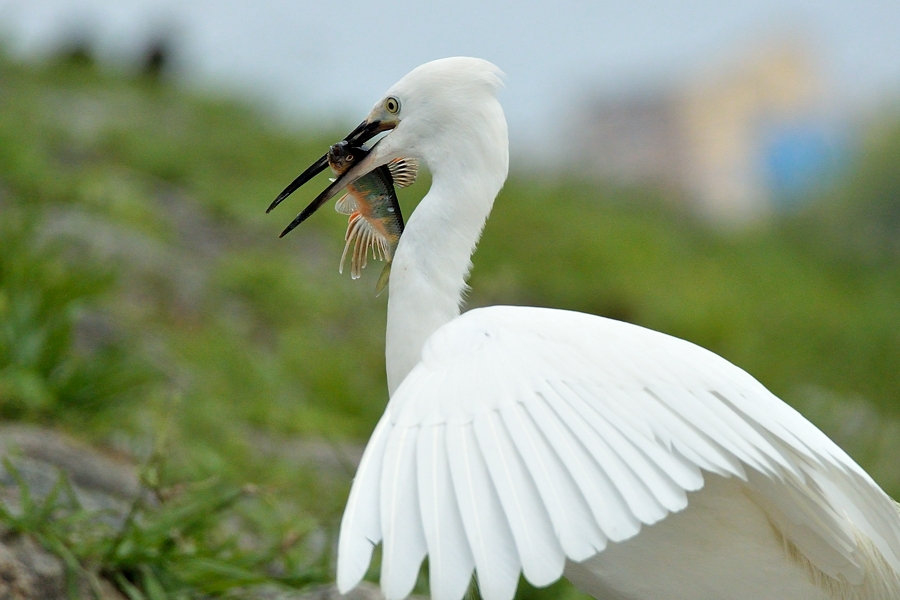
{"points": [[550, 443]]}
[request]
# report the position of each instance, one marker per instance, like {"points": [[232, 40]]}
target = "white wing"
{"points": [[529, 436]]}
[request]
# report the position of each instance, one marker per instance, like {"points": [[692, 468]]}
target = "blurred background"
{"points": [[721, 171]]}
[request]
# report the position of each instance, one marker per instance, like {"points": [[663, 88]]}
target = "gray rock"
{"points": [[27, 570], [16, 582], [101, 483]]}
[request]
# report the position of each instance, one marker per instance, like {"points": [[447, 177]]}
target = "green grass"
{"points": [[139, 266], [194, 540]]}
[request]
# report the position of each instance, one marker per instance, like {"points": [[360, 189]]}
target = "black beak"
{"points": [[359, 136]]}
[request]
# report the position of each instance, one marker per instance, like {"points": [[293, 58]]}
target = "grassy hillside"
{"points": [[144, 292]]}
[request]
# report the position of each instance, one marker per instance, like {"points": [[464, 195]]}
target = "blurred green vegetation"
{"points": [[142, 286]]}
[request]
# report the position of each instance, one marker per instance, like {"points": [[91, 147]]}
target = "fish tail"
{"points": [[383, 278]]}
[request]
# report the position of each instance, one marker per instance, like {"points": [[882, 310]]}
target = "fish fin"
{"points": [[404, 171], [348, 238], [362, 236], [383, 278], [346, 205]]}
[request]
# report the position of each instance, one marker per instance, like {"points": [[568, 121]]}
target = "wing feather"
{"points": [[450, 561], [668, 494], [404, 539], [607, 503], [361, 523], [577, 530], [526, 437], [634, 489], [497, 561], [683, 402], [683, 472], [684, 437], [542, 557], [773, 460]]}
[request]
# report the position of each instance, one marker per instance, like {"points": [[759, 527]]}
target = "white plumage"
{"points": [[550, 443], [527, 437]]}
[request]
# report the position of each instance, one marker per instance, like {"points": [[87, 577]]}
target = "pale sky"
{"points": [[330, 61]]}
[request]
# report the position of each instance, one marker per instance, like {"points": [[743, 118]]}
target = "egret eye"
{"points": [[392, 105]]}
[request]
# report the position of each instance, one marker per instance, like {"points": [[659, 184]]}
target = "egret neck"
{"points": [[428, 279]]}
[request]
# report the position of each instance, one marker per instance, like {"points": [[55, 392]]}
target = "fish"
{"points": [[375, 221]]}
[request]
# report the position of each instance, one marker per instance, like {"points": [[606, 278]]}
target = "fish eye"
{"points": [[392, 105]]}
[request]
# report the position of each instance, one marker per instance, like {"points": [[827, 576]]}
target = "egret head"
{"points": [[428, 114]]}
